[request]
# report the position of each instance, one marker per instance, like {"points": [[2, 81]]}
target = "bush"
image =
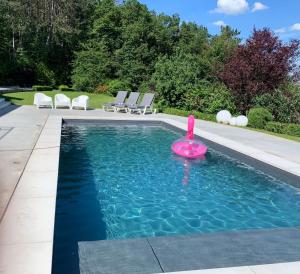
{"points": [[65, 88], [259, 117], [283, 128], [276, 127], [116, 85], [186, 113], [42, 88], [147, 87], [292, 129], [101, 88], [175, 76], [284, 105], [209, 98]]}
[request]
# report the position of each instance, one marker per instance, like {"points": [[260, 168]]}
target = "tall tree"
{"points": [[259, 66]]}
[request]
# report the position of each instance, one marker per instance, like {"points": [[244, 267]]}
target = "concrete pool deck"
{"points": [[29, 149]]}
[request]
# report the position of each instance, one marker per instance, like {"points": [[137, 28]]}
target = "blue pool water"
{"points": [[123, 181]]}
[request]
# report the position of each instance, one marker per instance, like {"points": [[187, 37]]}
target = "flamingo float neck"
{"points": [[190, 131]]}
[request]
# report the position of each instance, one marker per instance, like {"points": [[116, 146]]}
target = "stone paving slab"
{"points": [[114, 257]]}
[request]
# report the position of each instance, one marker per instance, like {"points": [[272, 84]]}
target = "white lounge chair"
{"points": [[81, 101], [42, 100], [61, 100]]}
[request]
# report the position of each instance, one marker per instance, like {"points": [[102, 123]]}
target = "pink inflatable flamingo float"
{"points": [[188, 147]]}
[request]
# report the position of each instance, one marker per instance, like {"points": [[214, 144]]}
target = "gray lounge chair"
{"points": [[131, 101], [144, 106], [120, 98]]}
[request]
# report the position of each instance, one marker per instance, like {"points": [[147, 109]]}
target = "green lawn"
{"points": [[26, 98], [285, 136]]}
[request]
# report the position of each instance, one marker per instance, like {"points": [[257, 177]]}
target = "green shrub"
{"points": [[147, 87], [186, 113], [276, 127], [176, 75], [292, 129], [209, 98], [101, 88], [116, 85], [65, 88], [259, 117], [284, 105], [41, 88], [283, 128]]}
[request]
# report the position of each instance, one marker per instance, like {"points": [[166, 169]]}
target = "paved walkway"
{"points": [[20, 130], [289, 150], [21, 127]]}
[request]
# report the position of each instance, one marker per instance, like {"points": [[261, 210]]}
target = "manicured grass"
{"points": [[285, 136], [26, 98]]}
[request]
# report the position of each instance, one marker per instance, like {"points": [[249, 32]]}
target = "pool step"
{"points": [[3, 103], [184, 253]]}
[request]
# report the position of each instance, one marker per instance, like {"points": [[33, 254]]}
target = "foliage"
{"points": [[45, 75], [101, 88], [42, 32], [131, 41], [175, 76], [116, 85], [259, 117], [284, 103], [283, 128], [147, 87], [91, 67], [186, 113], [259, 66], [209, 98], [65, 88], [42, 88]]}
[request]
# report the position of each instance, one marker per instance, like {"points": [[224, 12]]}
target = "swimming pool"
{"points": [[119, 181]]}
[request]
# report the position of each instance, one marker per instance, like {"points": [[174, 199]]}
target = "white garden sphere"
{"points": [[223, 116], [232, 121], [242, 121]]}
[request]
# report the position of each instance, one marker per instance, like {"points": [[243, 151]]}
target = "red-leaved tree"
{"points": [[259, 66]]}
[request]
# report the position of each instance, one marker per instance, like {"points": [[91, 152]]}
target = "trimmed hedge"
{"points": [[283, 128], [42, 88], [259, 117], [186, 113], [65, 88]]}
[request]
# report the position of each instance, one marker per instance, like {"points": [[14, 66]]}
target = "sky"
{"points": [[281, 16]]}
